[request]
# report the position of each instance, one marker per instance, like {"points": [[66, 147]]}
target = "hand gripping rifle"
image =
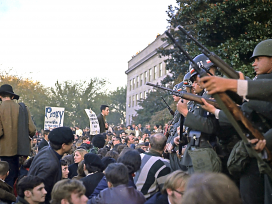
{"points": [[170, 110], [233, 113], [185, 95]]}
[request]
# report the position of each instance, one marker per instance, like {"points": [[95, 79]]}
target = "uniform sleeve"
{"points": [[260, 90]]}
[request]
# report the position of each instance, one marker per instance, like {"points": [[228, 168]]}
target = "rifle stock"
{"points": [[185, 95]]}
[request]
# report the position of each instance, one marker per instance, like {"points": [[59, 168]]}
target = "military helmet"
{"points": [[202, 61], [187, 80], [264, 48], [179, 87]]}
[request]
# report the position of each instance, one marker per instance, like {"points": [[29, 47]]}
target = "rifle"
{"points": [[170, 110], [232, 111], [216, 60], [185, 95]]}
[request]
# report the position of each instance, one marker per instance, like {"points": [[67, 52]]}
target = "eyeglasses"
{"points": [[181, 193]]}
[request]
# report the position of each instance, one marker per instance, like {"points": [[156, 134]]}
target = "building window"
{"points": [[133, 83], [141, 79], [144, 94], [155, 72], [141, 96], [133, 99], [129, 102], [138, 81], [130, 88], [150, 74], [160, 71], [128, 119], [146, 77], [137, 98]]}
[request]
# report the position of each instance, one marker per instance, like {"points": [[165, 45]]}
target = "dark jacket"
{"points": [[42, 144], [158, 198], [46, 165], [118, 194], [91, 181], [101, 121], [103, 184], [6, 193]]}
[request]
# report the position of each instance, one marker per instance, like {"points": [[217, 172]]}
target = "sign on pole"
{"points": [[54, 117], [94, 124]]}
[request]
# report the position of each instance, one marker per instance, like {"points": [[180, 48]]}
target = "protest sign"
{"points": [[94, 124], [54, 117]]}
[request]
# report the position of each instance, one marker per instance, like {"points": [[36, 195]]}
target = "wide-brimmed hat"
{"points": [[6, 88]]}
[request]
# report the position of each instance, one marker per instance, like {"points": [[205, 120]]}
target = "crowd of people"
{"points": [[198, 157]]}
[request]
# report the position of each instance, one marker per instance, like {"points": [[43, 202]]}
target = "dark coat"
{"points": [[42, 144], [118, 194], [6, 193], [101, 121], [158, 198], [91, 181], [11, 143], [46, 165]]}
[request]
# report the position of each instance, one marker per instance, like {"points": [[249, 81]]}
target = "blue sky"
{"points": [[50, 40]]}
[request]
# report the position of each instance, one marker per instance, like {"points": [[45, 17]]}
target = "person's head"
{"points": [[128, 127], [157, 142], [156, 127], [61, 139], [79, 155], [85, 139], [116, 140], [146, 139], [139, 125], [69, 191], [31, 188], [45, 134], [6, 93], [108, 160], [262, 56], [113, 154], [211, 188], [98, 141], [136, 141], [129, 140], [34, 140], [4, 169], [174, 186], [131, 159], [104, 110], [80, 169], [93, 163], [64, 169], [116, 174], [178, 87]]}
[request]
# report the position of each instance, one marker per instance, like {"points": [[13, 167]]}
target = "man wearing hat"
{"points": [[95, 167], [16, 126], [46, 163]]}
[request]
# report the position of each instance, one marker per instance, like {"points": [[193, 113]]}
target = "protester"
{"points": [[95, 167], [78, 157], [45, 141], [154, 169], [16, 126], [6, 191], [64, 169], [46, 163], [69, 191], [102, 118], [118, 191], [31, 190]]}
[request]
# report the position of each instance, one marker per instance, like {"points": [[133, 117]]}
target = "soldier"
{"points": [[261, 191], [199, 155], [170, 146]]}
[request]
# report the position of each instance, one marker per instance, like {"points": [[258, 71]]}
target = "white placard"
{"points": [[94, 124], [54, 117]]}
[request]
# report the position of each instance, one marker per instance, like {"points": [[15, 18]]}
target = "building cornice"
{"points": [[147, 57]]}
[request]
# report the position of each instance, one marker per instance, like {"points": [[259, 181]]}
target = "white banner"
{"points": [[54, 117], [94, 124]]}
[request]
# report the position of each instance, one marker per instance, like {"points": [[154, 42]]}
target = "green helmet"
{"points": [[264, 48]]}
